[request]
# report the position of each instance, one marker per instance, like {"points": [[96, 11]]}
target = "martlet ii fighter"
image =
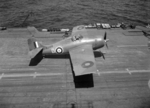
{"points": [[79, 45]]}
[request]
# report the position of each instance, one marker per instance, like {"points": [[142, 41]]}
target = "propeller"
{"points": [[105, 39]]}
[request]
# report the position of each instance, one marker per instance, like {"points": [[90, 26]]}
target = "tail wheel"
{"points": [[59, 50]]}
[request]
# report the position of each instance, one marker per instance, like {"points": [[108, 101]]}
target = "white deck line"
{"points": [[35, 74], [122, 46], [126, 71], [20, 69]]}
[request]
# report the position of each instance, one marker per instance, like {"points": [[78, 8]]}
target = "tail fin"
{"points": [[33, 44], [35, 51]]}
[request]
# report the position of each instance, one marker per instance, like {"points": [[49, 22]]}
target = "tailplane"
{"points": [[35, 51]]}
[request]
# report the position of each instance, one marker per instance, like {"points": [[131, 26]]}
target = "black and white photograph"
{"points": [[74, 53]]}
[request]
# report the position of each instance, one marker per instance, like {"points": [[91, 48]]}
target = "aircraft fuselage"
{"points": [[63, 47]]}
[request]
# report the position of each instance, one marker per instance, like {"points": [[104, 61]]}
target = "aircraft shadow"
{"points": [[96, 54], [83, 81]]}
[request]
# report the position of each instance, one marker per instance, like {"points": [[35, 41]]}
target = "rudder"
{"points": [[33, 44]]}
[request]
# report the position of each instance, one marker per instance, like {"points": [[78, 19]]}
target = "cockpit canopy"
{"points": [[76, 37]]}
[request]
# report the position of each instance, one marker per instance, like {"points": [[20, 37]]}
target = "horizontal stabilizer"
{"points": [[34, 52], [36, 56], [32, 30]]}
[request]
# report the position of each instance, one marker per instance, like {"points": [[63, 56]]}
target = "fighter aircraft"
{"points": [[79, 45]]}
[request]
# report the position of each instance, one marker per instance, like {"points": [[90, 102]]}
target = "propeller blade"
{"points": [[106, 45], [105, 39], [105, 36]]}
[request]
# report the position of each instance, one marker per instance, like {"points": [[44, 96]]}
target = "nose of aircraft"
{"points": [[102, 41]]}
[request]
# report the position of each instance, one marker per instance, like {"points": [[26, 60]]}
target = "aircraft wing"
{"points": [[83, 60]]}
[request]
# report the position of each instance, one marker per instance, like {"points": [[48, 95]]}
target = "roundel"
{"points": [[59, 50], [87, 64]]}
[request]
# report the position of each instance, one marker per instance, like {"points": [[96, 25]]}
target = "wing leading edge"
{"points": [[83, 60]]}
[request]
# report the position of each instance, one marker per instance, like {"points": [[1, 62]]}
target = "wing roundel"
{"points": [[83, 60]]}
